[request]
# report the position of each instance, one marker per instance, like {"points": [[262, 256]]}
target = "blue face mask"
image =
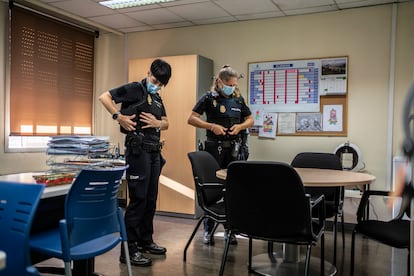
{"points": [[228, 90], [152, 88]]}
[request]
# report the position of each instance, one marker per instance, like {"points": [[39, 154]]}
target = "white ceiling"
{"points": [[183, 13]]}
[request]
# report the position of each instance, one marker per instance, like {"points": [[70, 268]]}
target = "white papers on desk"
{"points": [[78, 145]]}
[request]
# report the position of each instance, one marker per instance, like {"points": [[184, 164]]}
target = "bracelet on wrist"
{"points": [[212, 127]]}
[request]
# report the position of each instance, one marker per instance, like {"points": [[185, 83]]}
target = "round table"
{"points": [[289, 262], [324, 178]]}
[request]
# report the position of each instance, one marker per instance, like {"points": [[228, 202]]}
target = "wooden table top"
{"points": [[323, 177]]}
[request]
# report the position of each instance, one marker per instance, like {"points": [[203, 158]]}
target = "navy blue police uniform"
{"points": [[225, 112], [143, 155]]}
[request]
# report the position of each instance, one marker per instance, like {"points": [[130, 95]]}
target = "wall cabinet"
{"points": [[192, 75]]}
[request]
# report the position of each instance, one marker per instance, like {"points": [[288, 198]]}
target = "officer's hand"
{"points": [[149, 120], [219, 130], [235, 129], [126, 122]]}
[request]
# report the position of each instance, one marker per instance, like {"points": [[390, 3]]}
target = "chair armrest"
{"points": [[365, 199], [208, 193], [318, 203], [211, 185], [317, 200]]}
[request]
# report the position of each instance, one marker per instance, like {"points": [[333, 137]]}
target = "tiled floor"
{"points": [[372, 258]]}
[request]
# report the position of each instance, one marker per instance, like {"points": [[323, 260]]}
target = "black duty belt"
{"points": [[222, 143], [151, 146]]}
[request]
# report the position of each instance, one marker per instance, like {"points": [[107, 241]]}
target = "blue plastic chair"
{"points": [[18, 204], [93, 222]]}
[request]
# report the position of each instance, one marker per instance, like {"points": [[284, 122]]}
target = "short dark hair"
{"points": [[161, 70]]}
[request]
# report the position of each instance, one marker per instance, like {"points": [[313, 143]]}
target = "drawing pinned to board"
{"points": [[309, 122], [257, 116], [268, 130], [332, 117]]}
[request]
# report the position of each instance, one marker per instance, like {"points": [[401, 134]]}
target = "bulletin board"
{"points": [[305, 97]]}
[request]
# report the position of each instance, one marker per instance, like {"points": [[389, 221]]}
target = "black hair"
{"points": [[161, 70]]}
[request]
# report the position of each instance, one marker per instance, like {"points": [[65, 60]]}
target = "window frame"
{"points": [[35, 143]]}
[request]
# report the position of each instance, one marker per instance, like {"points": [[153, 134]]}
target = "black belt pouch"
{"points": [[134, 142]]}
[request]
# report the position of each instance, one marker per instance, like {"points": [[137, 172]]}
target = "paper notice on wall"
{"points": [[268, 130]]}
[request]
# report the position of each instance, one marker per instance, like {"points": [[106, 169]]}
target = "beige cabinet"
{"points": [[192, 75]]}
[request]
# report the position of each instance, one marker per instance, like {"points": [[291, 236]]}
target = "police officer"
{"points": [[142, 117], [227, 118]]}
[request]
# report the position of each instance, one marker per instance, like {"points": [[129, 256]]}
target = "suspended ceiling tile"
{"points": [[240, 7], [198, 11], [156, 16]]}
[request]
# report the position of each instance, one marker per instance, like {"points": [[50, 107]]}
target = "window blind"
{"points": [[51, 79]]}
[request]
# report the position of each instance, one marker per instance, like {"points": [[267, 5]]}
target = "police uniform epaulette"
{"points": [[213, 94]]}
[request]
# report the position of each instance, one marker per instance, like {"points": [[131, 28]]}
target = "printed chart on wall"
{"points": [[295, 85], [287, 86], [299, 87]]}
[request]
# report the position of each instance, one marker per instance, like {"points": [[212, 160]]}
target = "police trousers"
{"points": [[142, 176]]}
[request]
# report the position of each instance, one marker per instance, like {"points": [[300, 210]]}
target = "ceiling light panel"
{"points": [[122, 4]]}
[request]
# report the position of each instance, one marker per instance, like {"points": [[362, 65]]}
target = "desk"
{"points": [[48, 214], [290, 262]]}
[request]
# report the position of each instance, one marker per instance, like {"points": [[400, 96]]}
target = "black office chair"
{"points": [[395, 233], [267, 201], [209, 190], [334, 196]]}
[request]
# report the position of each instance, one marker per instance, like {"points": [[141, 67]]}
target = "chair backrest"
{"points": [[320, 160], [91, 205], [267, 200], [18, 204], [204, 168]]}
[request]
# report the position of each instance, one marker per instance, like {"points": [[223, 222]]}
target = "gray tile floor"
{"points": [[372, 258]]}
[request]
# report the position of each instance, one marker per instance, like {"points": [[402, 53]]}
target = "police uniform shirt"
{"points": [[221, 110], [132, 93]]}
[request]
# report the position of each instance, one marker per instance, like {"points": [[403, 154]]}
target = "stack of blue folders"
{"points": [[78, 145]]}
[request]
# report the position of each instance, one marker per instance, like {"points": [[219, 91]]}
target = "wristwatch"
{"points": [[115, 115]]}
